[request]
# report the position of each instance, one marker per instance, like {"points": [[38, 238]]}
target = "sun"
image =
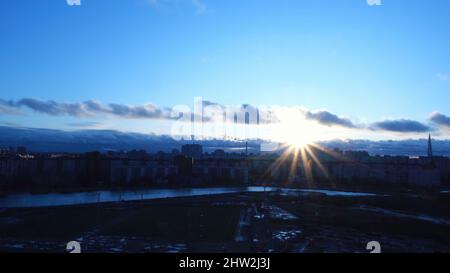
{"points": [[293, 130], [297, 137], [298, 141]]}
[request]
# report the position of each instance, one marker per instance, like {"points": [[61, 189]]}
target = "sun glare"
{"points": [[294, 130], [298, 142]]}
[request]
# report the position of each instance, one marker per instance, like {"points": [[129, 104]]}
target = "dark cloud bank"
{"points": [[440, 119], [329, 119], [92, 108], [401, 126]]}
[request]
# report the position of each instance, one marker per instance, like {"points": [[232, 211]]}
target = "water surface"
{"points": [[65, 199]]}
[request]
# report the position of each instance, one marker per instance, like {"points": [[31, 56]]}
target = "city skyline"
{"points": [[348, 69]]}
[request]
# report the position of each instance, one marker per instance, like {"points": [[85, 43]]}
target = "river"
{"points": [[66, 199]]}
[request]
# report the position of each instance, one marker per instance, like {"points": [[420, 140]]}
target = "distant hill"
{"points": [[411, 147], [49, 140]]}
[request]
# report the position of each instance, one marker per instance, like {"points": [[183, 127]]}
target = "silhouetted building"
{"points": [[221, 171], [21, 150], [218, 153], [192, 150], [184, 165], [149, 172], [430, 148]]}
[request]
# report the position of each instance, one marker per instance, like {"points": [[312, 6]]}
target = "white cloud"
{"points": [[374, 2]]}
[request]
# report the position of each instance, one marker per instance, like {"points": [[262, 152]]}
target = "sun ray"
{"points": [[317, 161], [293, 170], [307, 168], [280, 160], [330, 152]]}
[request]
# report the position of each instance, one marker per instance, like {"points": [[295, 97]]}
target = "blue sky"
{"points": [[366, 63]]}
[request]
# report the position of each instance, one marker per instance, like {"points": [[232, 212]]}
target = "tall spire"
{"points": [[430, 149]]}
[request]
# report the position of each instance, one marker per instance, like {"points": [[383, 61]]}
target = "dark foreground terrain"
{"points": [[244, 222]]}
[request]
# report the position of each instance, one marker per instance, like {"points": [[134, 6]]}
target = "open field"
{"points": [[238, 222]]}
